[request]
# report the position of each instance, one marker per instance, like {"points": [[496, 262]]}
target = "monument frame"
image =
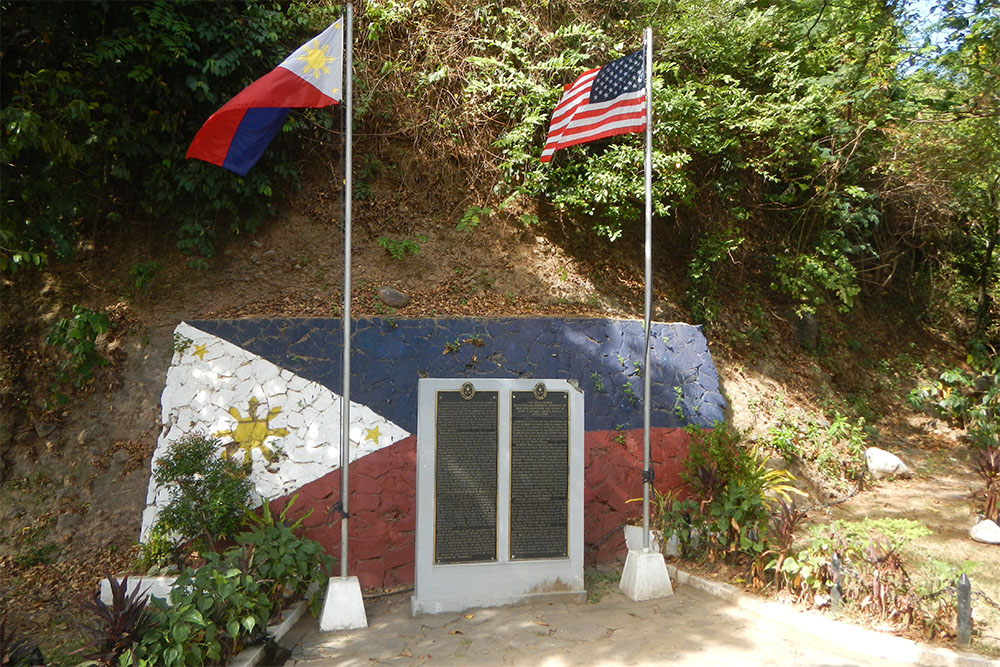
{"points": [[454, 586]]}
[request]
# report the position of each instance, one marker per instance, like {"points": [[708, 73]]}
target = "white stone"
{"points": [[986, 531], [885, 464], [645, 576], [344, 608]]}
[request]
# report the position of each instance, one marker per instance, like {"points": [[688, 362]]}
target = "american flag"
{"points": [[601, 103]]}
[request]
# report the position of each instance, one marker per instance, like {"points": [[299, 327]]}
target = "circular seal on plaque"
{"points": [[540, 391], [468, 391]]}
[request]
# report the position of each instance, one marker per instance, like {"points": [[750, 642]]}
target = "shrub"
{"points": [[208, 494], [970, 397], [215, 610], [77, 335], [118, 627], [290, 565], [735, 487]]}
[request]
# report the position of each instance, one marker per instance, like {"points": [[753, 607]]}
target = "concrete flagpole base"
{"points": [[343, 609], [645, 576]]}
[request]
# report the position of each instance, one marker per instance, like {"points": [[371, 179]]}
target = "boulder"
{"points": [[393, 298], [885, 464], [986, 531]]}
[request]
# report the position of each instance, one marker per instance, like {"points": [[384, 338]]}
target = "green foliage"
{"points": [[214, 611], [142, 274], [400, 248], [837, 448], [597, 380], [471, 218], [702, 269], [970, 397], [97, 120], [208, 494], [287, 564], [77, 335], [735, 487], [807, 278]]}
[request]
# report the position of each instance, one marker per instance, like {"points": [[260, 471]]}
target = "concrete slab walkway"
{"points": [[694, 627]]}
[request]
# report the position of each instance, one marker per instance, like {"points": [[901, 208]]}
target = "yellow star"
{"points": [[200, 351], [373, 435], [251, 431]]}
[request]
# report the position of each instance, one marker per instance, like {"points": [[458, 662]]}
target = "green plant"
{"points": [[783, 523], [970, 398], [782, 439], [77, 335], [142, 274], [471, 218], [597, 380], [159, 552], [289, 565], [702, 272], [214, 611], [399, 248], [118, 627], [207, 494], [630, 393], [809, 277], [181, 343], [680, 519], [735, 487]]}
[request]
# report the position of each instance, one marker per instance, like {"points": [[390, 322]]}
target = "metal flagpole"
{"points": [[344, 608], [345, 408], [648, 168]]}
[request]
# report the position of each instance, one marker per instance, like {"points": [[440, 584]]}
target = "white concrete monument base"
{"points": [[343, 609], [645, 576]]}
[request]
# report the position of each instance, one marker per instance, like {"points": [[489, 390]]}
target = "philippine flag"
{"points": [[235, 136]]}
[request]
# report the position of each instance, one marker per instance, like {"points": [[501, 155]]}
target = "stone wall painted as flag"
{"points": [[269, 390]]}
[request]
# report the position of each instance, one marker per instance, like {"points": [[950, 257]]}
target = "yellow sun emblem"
{"points": [[315, 59], [251, 431]]}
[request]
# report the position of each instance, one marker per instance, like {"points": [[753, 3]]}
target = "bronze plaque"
{"points": [[465, 477], [539, 474]]}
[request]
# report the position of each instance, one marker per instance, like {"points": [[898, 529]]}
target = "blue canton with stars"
{"points": [[624, 75]]}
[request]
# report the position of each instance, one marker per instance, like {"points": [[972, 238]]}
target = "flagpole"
{"points": [[345, 408], [646, 371], [344, 607]]}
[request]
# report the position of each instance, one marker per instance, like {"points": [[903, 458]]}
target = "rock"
{"points": [[393, 298], [986, 531], [885, 464], [268, 254], [806, 330], [43, 429]]}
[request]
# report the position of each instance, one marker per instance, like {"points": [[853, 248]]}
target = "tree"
{"points": [[99, 103]]}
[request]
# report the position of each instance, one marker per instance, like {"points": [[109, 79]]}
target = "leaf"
{"points": [[249, 623]]}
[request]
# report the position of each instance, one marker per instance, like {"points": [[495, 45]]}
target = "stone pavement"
{"points": [[694, 627]]}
